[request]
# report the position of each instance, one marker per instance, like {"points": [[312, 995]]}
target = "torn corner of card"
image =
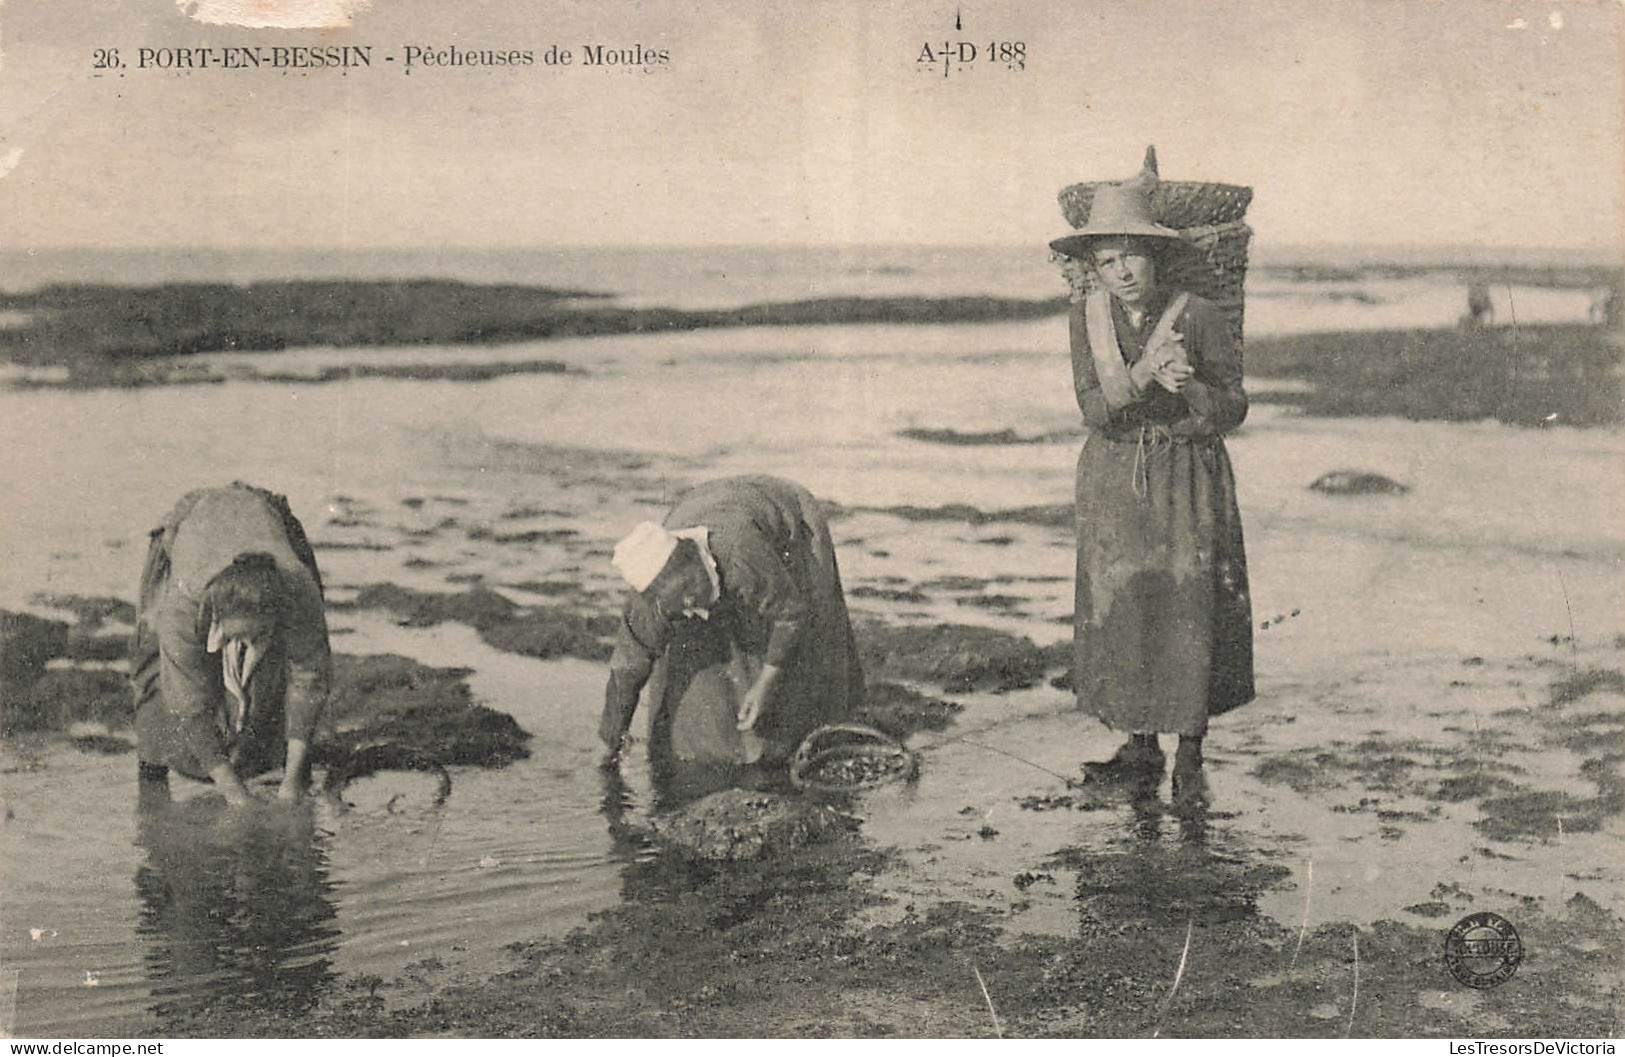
{"points": [[274, 14]]}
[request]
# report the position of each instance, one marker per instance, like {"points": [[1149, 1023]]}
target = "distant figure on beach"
{"points": [[1480, 309], [230, 662], [1163, 621], [1606, 308], [737, 623]]}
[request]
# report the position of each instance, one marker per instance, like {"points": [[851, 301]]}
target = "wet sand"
{"points": [[1438, 731], [1074, 905]]}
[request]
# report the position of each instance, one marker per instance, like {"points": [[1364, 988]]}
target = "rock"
{"points": [[901, 710], [1001, 602], [26, 643], [83, 645], [1059, 515], [1578, 684], [537, 631], [559, 535], [739, 824], [912, 595], [476, 608], [545, 632], [954, 436], [1583, 907], [957, 657], [92, 610], [1541, 813], [957, 583], [1357, 482], [64, 696], [102, 744], [415, 709]]}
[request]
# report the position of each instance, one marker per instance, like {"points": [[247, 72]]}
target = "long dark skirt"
{"points": [[1163, 624]]}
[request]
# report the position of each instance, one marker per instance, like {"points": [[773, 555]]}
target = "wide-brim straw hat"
{"points": [[1119, 210], [1209, 256]]}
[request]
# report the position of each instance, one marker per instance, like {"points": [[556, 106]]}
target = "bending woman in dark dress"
{"points": [[1163, 624], [230, 663], [736, 623]]}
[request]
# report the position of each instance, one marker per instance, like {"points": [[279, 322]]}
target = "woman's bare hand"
{"points": [[750, 707], [1173, 376], [756, 699]]}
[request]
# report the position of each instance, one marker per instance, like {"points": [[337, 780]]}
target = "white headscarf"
{"points": [[643, 553]]}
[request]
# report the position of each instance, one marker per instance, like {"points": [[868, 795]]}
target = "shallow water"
{"points": [[166, 906], [1375, 606]]}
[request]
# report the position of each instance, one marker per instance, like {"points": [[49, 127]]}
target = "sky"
{"points": [[1464, 122]]}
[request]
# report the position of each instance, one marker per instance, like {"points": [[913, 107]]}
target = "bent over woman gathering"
{"points": [[230, 661], [737, 624]]}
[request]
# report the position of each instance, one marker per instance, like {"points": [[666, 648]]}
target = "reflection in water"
{"points": [[678, 782], [647, 873], [1158, 874], [616, 804], [1191, 808], [236, 908], [1144, 806]]}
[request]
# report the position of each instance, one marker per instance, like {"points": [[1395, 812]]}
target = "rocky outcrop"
{"points": [[738, 824], [1357, 482], [956, 657]]}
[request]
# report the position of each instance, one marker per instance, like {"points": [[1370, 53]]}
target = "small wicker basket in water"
{"points": [[844, 757]]}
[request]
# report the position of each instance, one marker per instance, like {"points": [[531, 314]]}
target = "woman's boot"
{"points": [[1138, 756]]}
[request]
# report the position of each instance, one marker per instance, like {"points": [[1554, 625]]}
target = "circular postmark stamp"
{"points": [[1483, 950]]}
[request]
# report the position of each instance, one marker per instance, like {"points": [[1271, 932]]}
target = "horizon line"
{"points": [[1477, 247]]}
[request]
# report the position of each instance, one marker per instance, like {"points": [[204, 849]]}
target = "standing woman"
{"points": [[1163, 623]]}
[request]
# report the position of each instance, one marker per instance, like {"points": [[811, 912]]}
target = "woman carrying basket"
{"points": [[1163, 624]]}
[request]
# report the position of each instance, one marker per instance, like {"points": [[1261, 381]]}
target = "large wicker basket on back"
{"points": [[1213, 261]]}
